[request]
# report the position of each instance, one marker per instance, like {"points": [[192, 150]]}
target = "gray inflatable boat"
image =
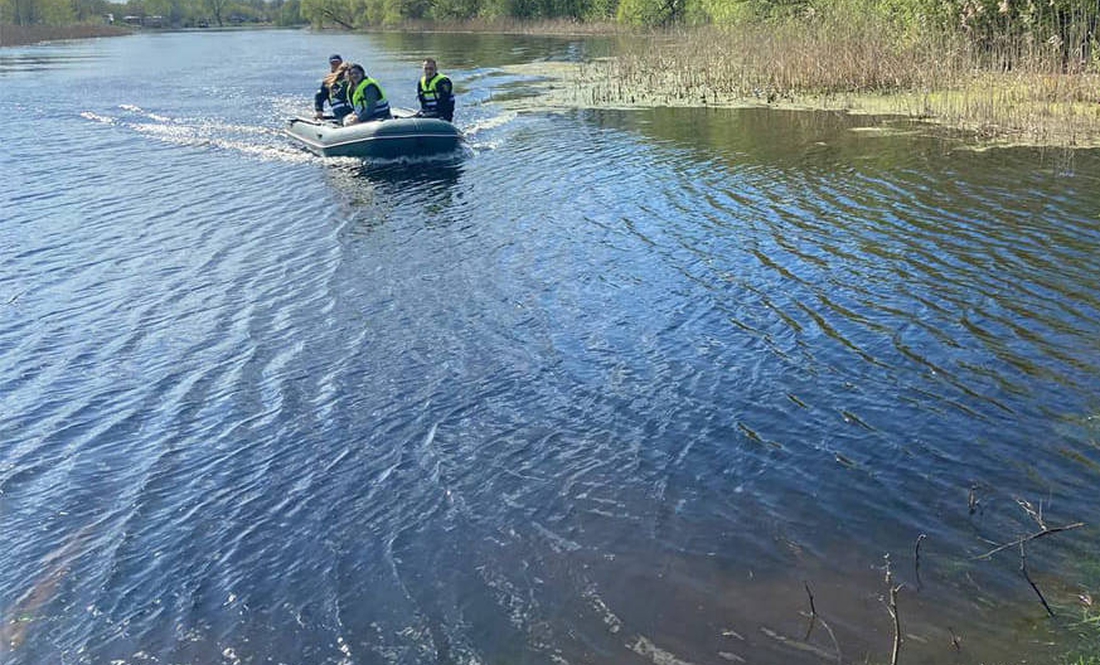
{"points": [[404, 135]]}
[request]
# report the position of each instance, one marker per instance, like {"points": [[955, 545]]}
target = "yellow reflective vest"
{"points": [[432, 101], [381, 107]]}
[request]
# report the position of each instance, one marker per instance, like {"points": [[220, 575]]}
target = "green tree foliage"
{"points": [[217, 10], [173, 11], [57, 12], [1003, 32], [444, 10], [92, 10], [395, 11], [600, 10], [541, 9], [289, 13], [30, 12], [652, 12], [328, 12]]}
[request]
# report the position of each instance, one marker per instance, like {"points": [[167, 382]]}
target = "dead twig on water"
{"points": [[892, 607], [814, 619], [916, 560], [1023, 569], [836, 645], [1040, 534], [813, 612], [1035, 514], [795, 643], [955, 641], [972, 499]]}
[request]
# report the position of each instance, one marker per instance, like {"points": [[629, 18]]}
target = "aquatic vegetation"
{"points": [[1086, 622], [14, 35], [1022, 86], [860, 65]]}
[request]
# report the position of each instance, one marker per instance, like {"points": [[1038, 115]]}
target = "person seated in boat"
{"points": [[436, 93], [336, 84], [334, 63], [368, 100]]}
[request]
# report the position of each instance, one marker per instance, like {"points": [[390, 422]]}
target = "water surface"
{"points": [[608, 387]]}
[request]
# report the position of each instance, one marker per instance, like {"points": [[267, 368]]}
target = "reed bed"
{"points": [[1020, 89], [18, 35], [510, 26]]}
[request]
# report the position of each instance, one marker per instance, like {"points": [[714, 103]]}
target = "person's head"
{"points": [[430, 68], [356, 74], [334, 61], [336, 74]]}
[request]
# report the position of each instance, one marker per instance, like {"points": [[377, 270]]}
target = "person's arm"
{"points": [[319, 100], [446, 100]]}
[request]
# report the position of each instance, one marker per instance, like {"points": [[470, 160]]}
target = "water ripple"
{"points": [[601, 370]]}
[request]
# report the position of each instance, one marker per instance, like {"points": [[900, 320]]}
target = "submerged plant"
{"points": [[1087, 624]]}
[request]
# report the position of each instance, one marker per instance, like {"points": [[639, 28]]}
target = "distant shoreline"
{"points": [[1036, 105], [23, 35]]}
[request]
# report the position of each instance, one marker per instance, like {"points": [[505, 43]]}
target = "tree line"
{"points": [[1068, 24], [979, 17], [169, 13]]}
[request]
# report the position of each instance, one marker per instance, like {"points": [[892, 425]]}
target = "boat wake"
{"points": [[257, 141], [481, 135], [266, 143]]}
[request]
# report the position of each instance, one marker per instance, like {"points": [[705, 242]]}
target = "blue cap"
{"points": [[335, 58]]}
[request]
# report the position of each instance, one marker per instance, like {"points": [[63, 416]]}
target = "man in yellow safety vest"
{"points": [[436, 94]]}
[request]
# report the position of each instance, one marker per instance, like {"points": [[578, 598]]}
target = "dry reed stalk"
{"points": [[1014, 86], [814, 619], [892, 608], [505, 25]]}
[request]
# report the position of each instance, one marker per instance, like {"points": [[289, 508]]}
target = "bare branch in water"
{"points": [[1023, 569], [916, 560], [955, 641], [892, 607], [813, 612], [1035, 514], [1039, 534], [836, 645], [814, 619]]}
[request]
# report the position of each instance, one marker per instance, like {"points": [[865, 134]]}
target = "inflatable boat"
{"points": [[403, 135]]}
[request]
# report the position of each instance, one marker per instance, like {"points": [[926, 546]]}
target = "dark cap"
{"points": [[335, 58]]}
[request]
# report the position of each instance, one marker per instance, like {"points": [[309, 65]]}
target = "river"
{"points": [[664, 386]]}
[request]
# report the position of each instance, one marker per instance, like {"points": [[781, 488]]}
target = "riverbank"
{"points": [[21, 35], [991, 109], [1017, 95], [936, 81]]}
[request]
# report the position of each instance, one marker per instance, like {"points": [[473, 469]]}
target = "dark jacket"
{"points": [[337, 97], [436, 97]]}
